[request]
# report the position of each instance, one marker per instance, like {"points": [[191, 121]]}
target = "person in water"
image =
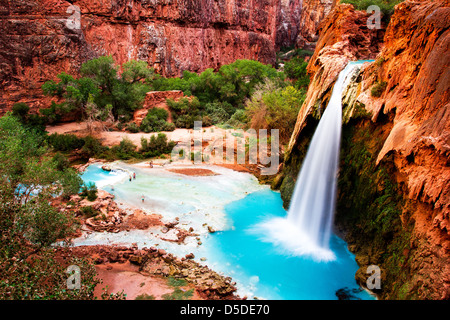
{"points": [[130, 178], [143, 198]]}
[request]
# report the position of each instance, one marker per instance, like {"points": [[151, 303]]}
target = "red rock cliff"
{"points": [[171, 35]]}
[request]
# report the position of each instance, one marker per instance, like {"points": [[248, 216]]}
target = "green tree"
{"points": [[275, 108]]}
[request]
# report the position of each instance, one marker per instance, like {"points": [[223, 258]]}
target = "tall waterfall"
{"points": [[308, 226]]}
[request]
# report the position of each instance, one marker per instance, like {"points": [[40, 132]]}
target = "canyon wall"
{"points": [[41, 38], [394, 180]]}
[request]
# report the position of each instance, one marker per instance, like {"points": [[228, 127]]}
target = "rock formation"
{"points": [[42, 38], [405, 92], [156, 99]]}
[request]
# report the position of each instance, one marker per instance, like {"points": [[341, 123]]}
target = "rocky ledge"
{"points": [[155, 262]]}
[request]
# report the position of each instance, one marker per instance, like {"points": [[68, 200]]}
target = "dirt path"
{"points": [[126, 276]]}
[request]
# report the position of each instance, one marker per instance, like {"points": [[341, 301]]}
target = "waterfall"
{"points": [[308, 226]]}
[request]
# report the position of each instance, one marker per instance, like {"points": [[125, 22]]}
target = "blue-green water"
{"points": [[260, 268], [275, 274]]}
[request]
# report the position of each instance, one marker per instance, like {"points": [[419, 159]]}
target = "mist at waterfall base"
{"points": [[307, 229]]}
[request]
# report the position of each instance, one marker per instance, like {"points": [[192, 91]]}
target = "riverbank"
{"points": [[117, 221]]}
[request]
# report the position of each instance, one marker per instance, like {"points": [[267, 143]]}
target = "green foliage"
{"points": [[89, 211], [145, 296], [93, 148], [65, 142], [135, 71], [101, 85], [296, 69], [275, 108], [217, 94], [20, 110], [61, 162], [238, 119], [132, 127], [178, 292], [125, 150], [185, 111], [378, 89], [386, 6], [42, 224], [89, 191], [156, 120], [176, 282], [156, 146], [369, 203]]}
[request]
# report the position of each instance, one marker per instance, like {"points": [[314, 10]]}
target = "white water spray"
{"points": [[307, 228]]}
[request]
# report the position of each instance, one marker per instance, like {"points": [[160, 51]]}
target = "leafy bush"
{"points": [[296, 69], [89, 191], [93, 147], [132, 127], [185, 112], [125, 150], [156, 120], [62, 163], [238, 119], [156, 146], [378, 89], [217, 112], [65, 142], [89, 211], [275, 108], [20, 110]]}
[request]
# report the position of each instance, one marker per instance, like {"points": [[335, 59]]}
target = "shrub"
{"points": [[216, 111], [132, 127], [156, 120], [156, 145], [93, 147], [238, 119], [378, 89], [20, 110], [296, 69], [125, 150], [62, 163], [89, 211], [65, 142], [386, 6], [89, 191], [276, 108]]}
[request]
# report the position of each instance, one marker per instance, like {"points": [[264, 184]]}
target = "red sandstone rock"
{"points": [[344, 37], [37, 43], [156, 99]]}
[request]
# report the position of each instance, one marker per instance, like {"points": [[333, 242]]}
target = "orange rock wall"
{"points": [[171, 35]]}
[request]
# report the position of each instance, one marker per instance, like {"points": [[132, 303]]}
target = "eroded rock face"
{"points": [[344, 36], [157, 99], [313, 12], [412, 108], [41, 38]]}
